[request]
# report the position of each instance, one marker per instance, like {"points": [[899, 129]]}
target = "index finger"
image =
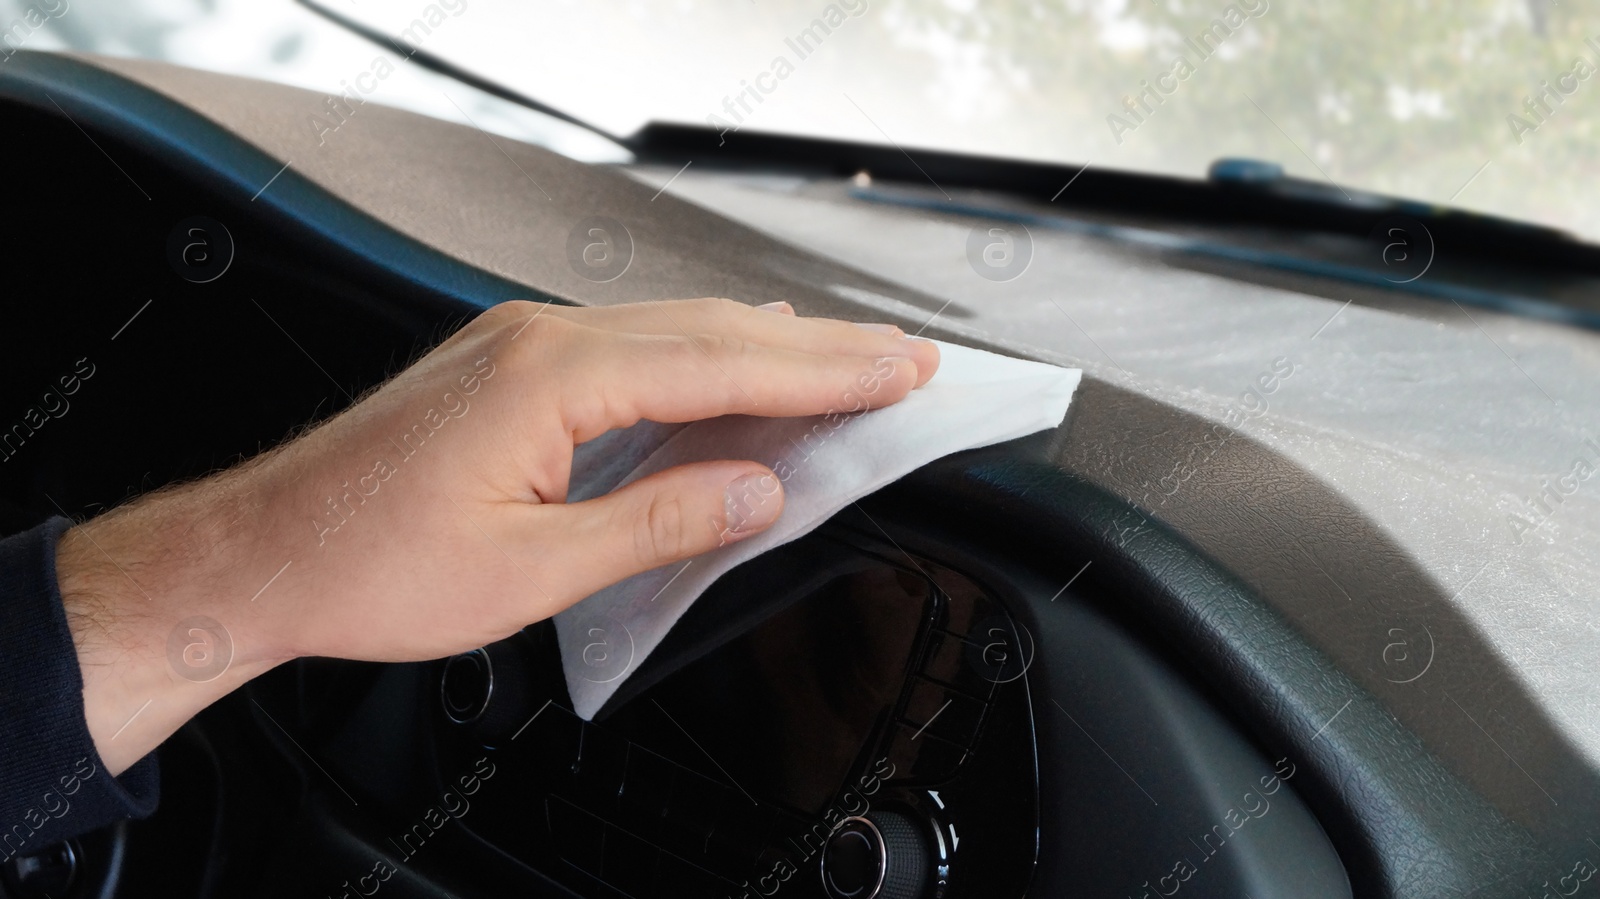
{"points": [[731, 318], [605, 380]]}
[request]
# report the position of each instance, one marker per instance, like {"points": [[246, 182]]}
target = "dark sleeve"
{"points": [[52, 782]]}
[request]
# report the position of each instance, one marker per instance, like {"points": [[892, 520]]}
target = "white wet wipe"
{"points": [[824, 463]]}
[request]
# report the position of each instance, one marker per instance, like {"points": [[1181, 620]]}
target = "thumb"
{"points": [[667, 517]]}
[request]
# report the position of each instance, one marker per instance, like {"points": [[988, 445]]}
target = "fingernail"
{"points": [[780, 307], [751, 503], [881, 328]]}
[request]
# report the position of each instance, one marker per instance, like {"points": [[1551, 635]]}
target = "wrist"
{"points": [[150, 596]]}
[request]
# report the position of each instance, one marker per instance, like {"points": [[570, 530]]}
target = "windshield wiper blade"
{"points": [[1541, 270], [1285, 202], [442, 66]]}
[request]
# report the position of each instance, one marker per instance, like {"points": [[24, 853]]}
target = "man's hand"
{"points": [[430, 518]]}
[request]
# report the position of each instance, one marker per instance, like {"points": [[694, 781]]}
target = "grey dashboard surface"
{"points": [[1442, 426], [1368, 498]]}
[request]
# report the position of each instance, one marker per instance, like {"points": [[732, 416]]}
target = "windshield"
{"points": [[1481, 104]]}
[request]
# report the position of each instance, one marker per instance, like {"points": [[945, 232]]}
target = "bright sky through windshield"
{"points": [[1484, 104]]}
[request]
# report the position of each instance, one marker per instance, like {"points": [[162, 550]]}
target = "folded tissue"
{"points": [[824, 462]]}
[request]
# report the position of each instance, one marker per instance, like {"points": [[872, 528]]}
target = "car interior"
{"points": [[1250, 623]]}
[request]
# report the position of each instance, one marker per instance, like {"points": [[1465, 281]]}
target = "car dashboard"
{"points": [[1142, 654]]}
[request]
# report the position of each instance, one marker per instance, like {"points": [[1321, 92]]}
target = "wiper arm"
{"points": [[442, 66], [1267, 180]]}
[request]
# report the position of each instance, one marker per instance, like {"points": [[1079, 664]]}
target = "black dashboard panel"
{"points": [[96, 291], [1148, 727], [866, 695]]}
